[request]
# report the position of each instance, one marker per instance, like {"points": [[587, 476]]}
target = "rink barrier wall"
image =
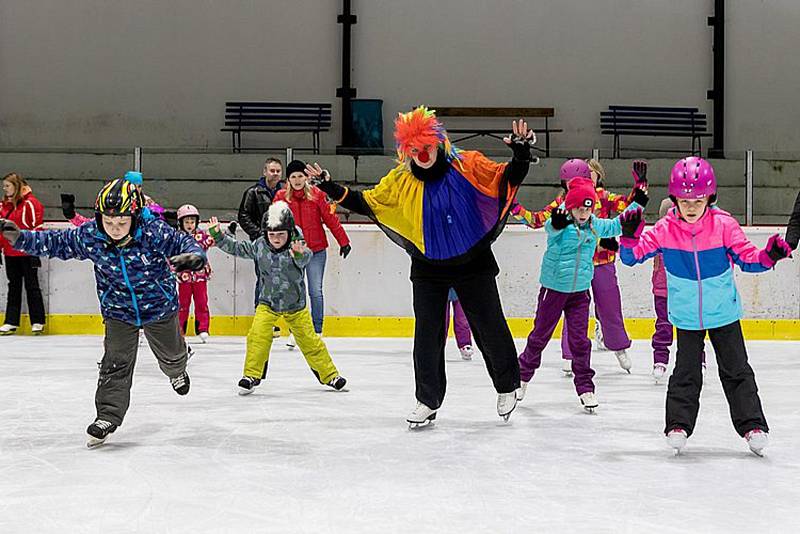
{"points": [[638, 328], [369, 293]]}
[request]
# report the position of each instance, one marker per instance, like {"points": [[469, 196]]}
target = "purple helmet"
{"points": [[574, 168], [692, 178]]}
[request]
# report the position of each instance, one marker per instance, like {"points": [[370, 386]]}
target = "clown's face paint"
{"points": [[424, 157]]}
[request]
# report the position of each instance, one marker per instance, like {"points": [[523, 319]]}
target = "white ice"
{"points": [[298, 457]]}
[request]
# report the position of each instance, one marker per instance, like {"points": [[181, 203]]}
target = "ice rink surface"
{"points": [[296, 456]]}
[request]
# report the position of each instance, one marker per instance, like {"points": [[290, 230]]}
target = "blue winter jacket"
{"points": [[567, 264], [134, 282]]}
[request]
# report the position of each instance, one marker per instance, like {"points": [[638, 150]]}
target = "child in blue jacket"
{"points": [[135, 287], [573, 232]]}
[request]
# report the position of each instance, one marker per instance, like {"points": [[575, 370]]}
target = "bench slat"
{"points": [[624, 122], [285, 124], [294, 105], [653, 108], [664, 133], [446, 111]]}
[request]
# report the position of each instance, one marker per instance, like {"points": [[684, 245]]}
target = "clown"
{"points": [[445, 207]]}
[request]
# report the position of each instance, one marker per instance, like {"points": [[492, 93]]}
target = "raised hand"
{"points": [[777, 248], [632, 223], [559, 219], [639, 172], [521, 140], [317, 173], [640, 195]]}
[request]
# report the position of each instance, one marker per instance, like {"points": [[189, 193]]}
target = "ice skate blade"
{"points": [[417, 425], [590, 409], [760, 453], [567, 374], [93, 442], [676, 452], [243, 391]]}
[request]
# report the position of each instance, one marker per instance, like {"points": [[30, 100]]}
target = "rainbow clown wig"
{"points": [[419, 128]]}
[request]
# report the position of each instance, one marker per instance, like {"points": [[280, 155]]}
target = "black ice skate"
{"points": [[337, 383], [247, 384], [180, 383], [98, 432]]}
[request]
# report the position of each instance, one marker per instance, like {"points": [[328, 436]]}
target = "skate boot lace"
{"points": [[179, 381], [103, 425]]}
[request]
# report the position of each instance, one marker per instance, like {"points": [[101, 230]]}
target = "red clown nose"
{"points": [[424, 157]]}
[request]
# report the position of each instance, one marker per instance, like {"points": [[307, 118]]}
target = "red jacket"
{"points": [[309, 216], [28, 215]]}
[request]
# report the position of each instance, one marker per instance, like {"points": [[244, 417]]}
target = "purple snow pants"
{"points": [[608, 310], [575, 307]]}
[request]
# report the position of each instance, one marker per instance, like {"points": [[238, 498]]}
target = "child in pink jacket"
{"points": [[700, 244], [193, 285]]}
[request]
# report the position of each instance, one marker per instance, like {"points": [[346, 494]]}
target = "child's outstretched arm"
{"points": [[62, 244], [636, 247], [750, 258], [242, 249], [534, 219]]}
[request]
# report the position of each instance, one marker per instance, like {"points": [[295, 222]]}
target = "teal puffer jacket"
{"points": [[567, 264]]}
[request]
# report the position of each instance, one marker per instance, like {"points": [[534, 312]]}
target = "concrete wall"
{"points": [[114, 73], [373, 281]]}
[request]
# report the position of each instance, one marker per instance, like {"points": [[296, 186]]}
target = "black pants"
{"points": [[476, 286], [738, 380], [19, 270], [121, 343]]}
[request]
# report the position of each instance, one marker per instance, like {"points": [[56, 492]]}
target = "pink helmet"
{"points": [[692, 178], [187, 210], [574, 168]]}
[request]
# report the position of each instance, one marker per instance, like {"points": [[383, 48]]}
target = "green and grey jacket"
{"points": [[281, 274]]}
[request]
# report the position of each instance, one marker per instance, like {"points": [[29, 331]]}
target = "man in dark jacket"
{"points": [[258, 197]]}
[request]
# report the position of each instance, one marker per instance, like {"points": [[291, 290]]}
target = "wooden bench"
{"points": [[276, 117], [512, 113], [654, 121]]}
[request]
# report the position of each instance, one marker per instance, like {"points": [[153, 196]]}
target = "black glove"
{"points": [[640, 197], [632, 223], [187, 261], [559, 219], [521, 147], [609, 243], [345, 250], [232, 228], [639, 172], [777, 248], [68, 205], [9, 230], [171, 218]]}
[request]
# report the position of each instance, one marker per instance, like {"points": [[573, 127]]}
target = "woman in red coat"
{"points": [[19, 205], [310, 210]]}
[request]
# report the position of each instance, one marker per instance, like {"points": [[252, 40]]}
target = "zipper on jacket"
{"points": [[130, 288], [699, 281], [577, 260]]}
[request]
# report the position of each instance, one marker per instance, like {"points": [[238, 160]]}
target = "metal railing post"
{"points": [[289, 155], [596, 154], [137, 159], [748, 191]]}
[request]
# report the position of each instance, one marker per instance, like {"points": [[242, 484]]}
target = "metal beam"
{"points": [[347, 19], [717, 93]]}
